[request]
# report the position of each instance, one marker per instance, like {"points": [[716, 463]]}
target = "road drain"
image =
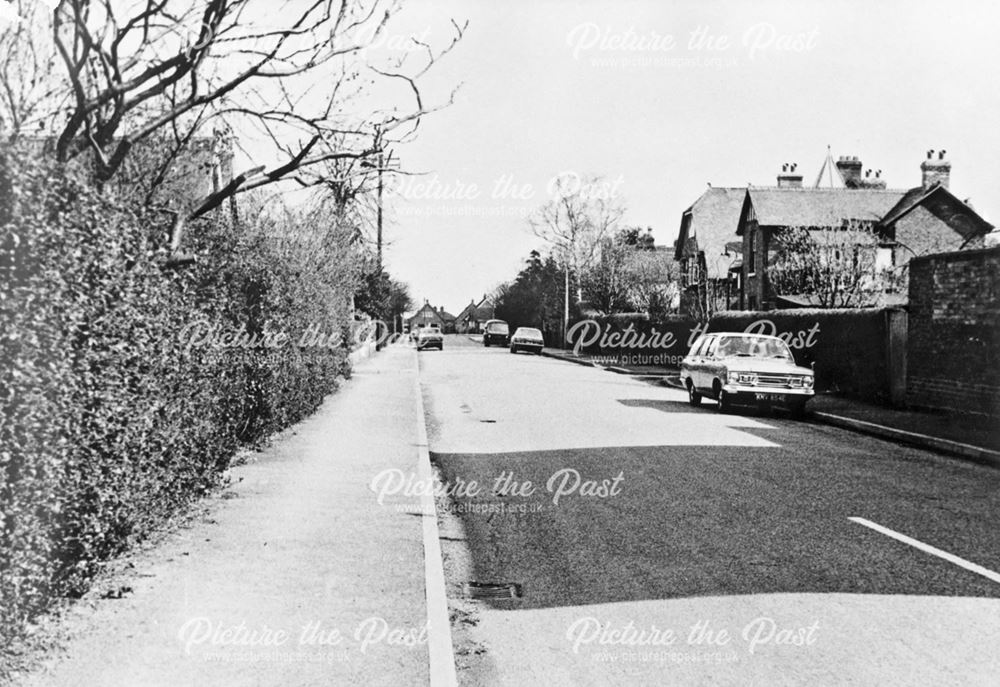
{"points": [[492, 590]]}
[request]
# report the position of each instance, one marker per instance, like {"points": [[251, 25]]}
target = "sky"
{"points": [[662, 98]]}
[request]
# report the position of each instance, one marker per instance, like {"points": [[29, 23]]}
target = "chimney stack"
{"points": [[935, 170], [850, 170], [789, 178]]}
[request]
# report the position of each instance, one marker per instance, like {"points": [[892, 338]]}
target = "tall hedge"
{"points": [[108, 422]]}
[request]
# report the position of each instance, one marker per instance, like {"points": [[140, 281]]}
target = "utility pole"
{"points": [[379, 224], [566, 309], [384, 162]]}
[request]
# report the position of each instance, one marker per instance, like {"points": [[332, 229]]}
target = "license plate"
{"points": [[769, 397]]}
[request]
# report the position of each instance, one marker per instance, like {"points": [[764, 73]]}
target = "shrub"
{"points": [[108, 423]]}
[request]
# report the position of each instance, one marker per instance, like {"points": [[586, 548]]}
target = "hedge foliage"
{"points": [[108, 422]]}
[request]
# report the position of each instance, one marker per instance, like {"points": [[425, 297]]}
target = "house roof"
{"points": [[943, 204], [708, 225], [470, 309], [820, 207]]}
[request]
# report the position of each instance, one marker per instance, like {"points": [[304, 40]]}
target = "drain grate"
{"points": [[493, 590]]}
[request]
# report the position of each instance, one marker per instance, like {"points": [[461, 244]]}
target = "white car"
{"points": [[736, 368], [430, 337], [527, 339]]}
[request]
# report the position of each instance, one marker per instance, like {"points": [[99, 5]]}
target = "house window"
{"points": [[884, 258], [752, 264], [693, 273]]}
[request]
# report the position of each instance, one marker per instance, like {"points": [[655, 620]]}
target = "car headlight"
{"points": [[807, 382], [748, 378]]}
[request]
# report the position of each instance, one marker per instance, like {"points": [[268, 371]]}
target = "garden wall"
{"points": [[954, 332]]}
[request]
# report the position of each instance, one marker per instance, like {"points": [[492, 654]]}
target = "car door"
{"points": [[698, 362], [711, 366], [688, 363]]}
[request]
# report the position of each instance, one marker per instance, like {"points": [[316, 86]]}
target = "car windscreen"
{"points": [[752, 347], [497, 328], [528, 333]]}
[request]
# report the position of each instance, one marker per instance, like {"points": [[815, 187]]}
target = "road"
{"points": [[663, 544]]}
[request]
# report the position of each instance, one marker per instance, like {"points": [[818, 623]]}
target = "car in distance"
{"points": [[430, 337], [527, 339], [745, 369], [495, 332]]}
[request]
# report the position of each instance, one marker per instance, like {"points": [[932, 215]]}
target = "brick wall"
{"points": [[953, 361]]}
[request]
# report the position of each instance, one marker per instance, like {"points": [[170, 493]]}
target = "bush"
{"points": [[109, 423]]}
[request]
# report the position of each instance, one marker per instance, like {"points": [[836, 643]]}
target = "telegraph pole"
{"points": [[566, 309], [379, 224]]}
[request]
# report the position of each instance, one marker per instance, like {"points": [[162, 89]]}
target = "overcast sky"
{"points": [[619, 89]]}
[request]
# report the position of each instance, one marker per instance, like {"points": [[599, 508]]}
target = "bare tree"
{"points": [[32, 87], [300, 73], [652, 285], [576, 222], [836, 266]]}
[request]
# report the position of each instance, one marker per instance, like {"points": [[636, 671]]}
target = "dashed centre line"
{"points": [[927, 548]]}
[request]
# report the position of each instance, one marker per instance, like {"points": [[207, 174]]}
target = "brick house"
{"points": [[428, 314], [474, 316], [919, 221], [708, 251]]}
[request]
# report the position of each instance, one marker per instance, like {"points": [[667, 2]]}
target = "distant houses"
{"points": [[728, 236], [428, 314], [475, 315]]}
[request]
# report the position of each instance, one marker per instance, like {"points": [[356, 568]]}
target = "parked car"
{"points": [[430, 337], [527, 339], [735, 369], [495, 332]]}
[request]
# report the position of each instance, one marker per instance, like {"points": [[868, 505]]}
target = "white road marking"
{"points": [[927, 548], [439, 644]]}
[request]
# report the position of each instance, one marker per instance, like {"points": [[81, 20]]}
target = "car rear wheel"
{"points": [[513, 349], [694, 398]]}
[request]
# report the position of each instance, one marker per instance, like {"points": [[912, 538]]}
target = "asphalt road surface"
{"points": [[663, 544]]}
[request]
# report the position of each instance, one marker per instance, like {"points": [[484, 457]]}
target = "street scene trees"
{"points": [[173, 302], [318, 369], [838, 266]]}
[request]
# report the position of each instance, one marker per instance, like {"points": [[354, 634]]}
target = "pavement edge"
{"points": [[439, 642]]}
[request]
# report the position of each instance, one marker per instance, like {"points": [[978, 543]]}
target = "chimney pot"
{"points": [[935, 171], [850, 171]]}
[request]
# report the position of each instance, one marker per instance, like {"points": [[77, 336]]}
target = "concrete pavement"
{"points": [[296, 575]]}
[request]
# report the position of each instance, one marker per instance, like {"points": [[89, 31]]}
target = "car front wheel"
{"points": [[694, 398], [722, 402]]}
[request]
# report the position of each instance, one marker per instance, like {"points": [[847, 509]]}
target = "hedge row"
{"points": [[847, 346], [108, 421]]}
